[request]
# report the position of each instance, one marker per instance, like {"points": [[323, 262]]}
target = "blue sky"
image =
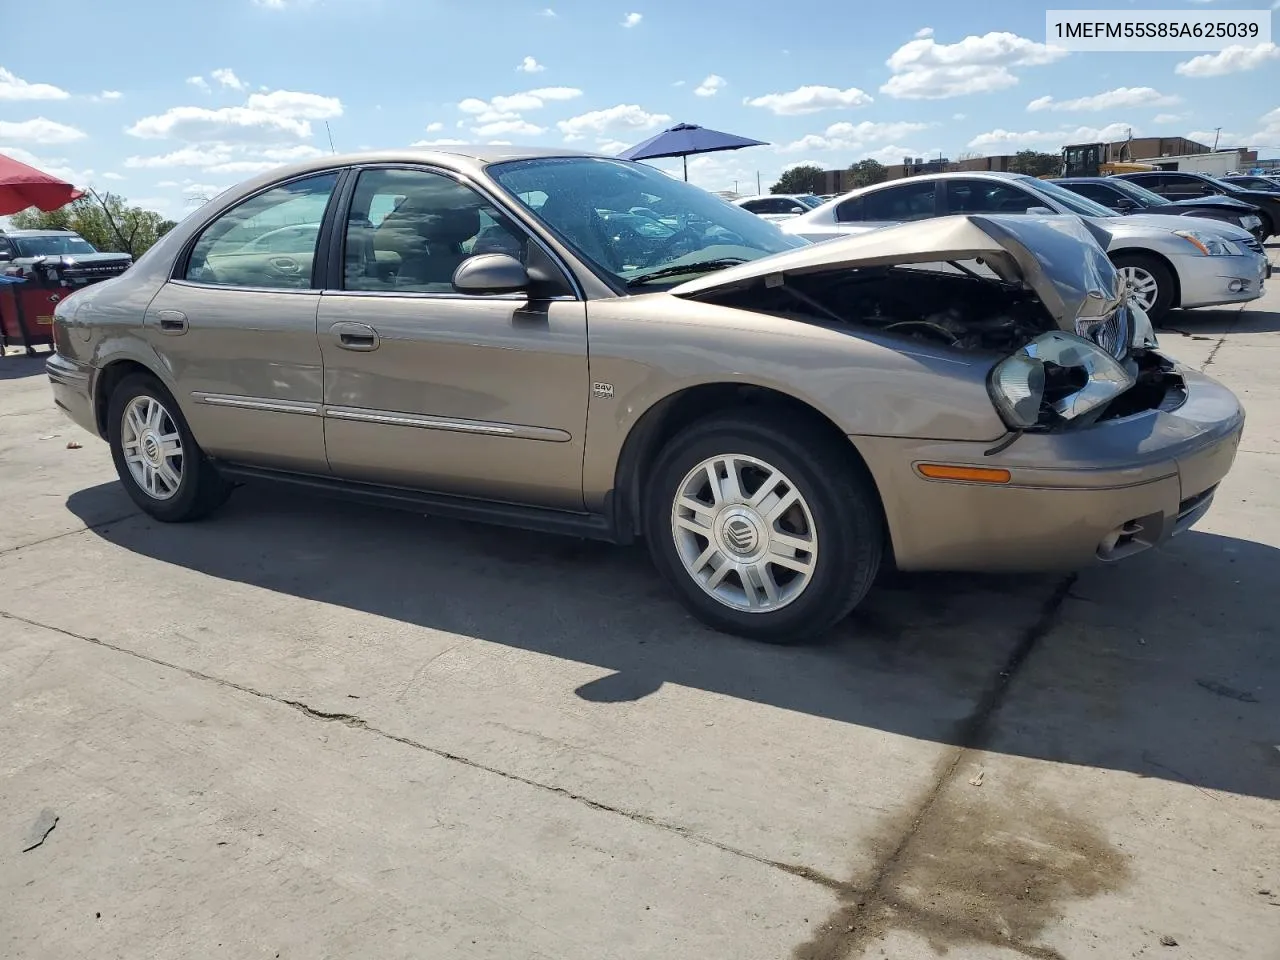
{"points": [[165, 102]]}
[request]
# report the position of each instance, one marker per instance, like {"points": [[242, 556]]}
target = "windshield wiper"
{"points": [[680, 270]]}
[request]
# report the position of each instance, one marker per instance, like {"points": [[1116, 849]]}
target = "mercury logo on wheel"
{"points": [[740, 535]]}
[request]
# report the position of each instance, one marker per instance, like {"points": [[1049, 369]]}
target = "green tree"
{"points": [[106, 220], [805, 178], [866, 172], [1034, 163]]}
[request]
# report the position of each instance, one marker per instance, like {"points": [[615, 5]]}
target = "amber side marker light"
{"points": [[940, 471]]}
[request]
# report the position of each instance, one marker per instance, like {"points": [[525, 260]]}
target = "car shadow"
{"points": [[1164, 666], [1210, 323], [19, 366]]}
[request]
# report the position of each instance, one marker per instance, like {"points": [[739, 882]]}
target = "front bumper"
{"points": [[72, 385], [1074, 499], [1213, 281]]}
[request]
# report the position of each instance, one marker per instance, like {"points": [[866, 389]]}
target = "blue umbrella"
{"points": [[684, 139]]}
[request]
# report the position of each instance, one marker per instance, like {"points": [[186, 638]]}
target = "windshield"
{"points": [[1233, 187], [1072, 201], [54, 246], [1148, 198], [630, 220]]}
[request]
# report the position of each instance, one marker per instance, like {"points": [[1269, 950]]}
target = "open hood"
{"points": [[1063, 259]]}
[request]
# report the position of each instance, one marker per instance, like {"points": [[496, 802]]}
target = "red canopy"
{"points": [[22, 186]]}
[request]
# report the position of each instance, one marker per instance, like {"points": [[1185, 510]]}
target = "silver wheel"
{"points": [[744, 533], [152, 447], [1141, 286]]}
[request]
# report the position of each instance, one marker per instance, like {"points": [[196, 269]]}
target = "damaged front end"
{"points": [[1036, 293]]}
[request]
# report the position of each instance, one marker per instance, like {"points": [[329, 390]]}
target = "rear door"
{"points": [[425, 387], [1174, 186], [236, 328]]}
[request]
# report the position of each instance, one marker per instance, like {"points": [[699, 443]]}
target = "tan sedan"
{"points": [[583, 345]]}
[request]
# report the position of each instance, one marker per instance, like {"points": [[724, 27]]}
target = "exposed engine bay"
{"points": [[956, 306], [959, 309]]}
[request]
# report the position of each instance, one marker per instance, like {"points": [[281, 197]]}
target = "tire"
{"points": [[1144, 268], [199, 489], [1267, 227], [838, 513]]}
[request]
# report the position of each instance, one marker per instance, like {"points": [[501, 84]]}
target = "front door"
{"points": [[482, 396], [236, 329]]}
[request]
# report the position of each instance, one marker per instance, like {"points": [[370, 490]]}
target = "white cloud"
{"points": [[1026, 139], [40, 130], [1117, 99], [435, 127], [227, 124], [226, 77], [924, 32], [168, 183], [243, 168], [854, 136], [547, 12], [14, 88], [200, 83], [514, 128], [530, 65], [1233, 59], [632, 19], [207, 189], [810, 99], [290, 103], [678, 83], [611, 146], [959, 116], [710, 86], [107, 95], [185, 157], [1223, 137], [924, 69], [625, 117], [444, 142], [111, 175], [282, 4], [301, 151], [1168, 118]]}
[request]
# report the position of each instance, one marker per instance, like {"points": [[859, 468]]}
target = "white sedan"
{"points": [[779, 206]]}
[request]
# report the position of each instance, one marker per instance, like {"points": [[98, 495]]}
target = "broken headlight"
{"points": [[1057, 376], [1113, 333]]}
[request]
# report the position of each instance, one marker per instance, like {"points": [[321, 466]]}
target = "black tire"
{"points": [[201, 489], [842, 501], [1163, 276], [1267, 227]]}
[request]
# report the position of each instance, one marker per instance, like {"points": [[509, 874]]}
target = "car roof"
{"points": [[38, 233]]}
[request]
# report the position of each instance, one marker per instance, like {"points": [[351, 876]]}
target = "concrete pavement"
{"points": [[305, 729]]}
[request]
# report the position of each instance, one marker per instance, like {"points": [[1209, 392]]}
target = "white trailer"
{"points": [[1213, 164]]}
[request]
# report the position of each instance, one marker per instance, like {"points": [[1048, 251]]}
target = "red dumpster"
{"points": [[26, 313]]}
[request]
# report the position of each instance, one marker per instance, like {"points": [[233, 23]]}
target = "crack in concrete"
{"points": [[359, 723], [67, 533], [852, 927], [1222, 340]]}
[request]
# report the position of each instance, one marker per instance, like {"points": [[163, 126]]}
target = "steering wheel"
{"points": [[660, 249]]}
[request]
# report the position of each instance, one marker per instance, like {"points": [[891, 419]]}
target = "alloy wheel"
{"points": [[152, 447], [1141, 286], [744, 533]]}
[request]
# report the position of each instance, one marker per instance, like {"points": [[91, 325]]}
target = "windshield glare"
{"points": [[1072, 201], [629, 219], [51, 246]]}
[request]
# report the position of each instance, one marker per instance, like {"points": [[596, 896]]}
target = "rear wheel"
{"points": [[765, 529], [161, 466], [1148, 281]]}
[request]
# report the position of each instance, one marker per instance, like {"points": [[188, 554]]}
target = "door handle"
{"points": [[173, 322], [355, 336]]}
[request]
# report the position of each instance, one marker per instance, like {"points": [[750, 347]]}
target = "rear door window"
{"points": [[908, 201]]}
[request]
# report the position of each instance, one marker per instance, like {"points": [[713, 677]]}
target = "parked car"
{"points": [[772, 417], [1188, 186], [779, 206], [1126, 198], [71, 256], [1250, 181], [1165, 262]]}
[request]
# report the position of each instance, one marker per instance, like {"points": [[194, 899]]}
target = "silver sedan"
{"points": [[1165, 261]]}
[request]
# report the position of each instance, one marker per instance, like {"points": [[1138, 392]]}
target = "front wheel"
{"points": [[764, 528], [161, 466], [1148, 283]]}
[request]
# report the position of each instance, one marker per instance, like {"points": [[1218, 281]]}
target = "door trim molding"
{"points": [[488, 428], [391, 418], [257, 403]]}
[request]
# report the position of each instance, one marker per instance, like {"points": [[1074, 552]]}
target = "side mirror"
{"points": [[490, 273], [1125, 205], [796, 210], [1041, 212], [6, 256]]}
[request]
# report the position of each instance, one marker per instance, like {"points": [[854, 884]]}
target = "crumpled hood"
{"points": [[1063, 259]]}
